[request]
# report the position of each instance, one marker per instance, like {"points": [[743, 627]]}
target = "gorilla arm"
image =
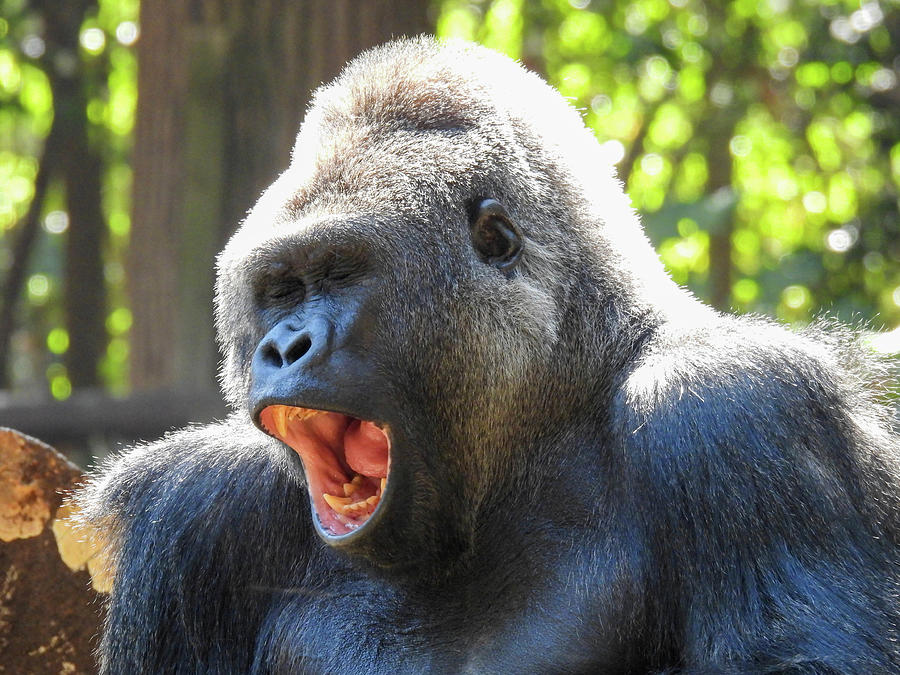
{"points": [[756, 476], [201, 523]]}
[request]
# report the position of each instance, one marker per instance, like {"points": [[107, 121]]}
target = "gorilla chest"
{"points": [[378, 629]]}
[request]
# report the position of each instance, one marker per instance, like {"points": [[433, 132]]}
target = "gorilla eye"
{"points": [[495, 237], [280, 288]]}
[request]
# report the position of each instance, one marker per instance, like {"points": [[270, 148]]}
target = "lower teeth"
{"points": [[346, 507]]}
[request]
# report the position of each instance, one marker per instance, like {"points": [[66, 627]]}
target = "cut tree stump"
{"points": [[50, 615]]}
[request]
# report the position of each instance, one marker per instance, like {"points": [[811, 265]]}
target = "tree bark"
{"points": [[153, 258], [720, 263], [85, 287], [720, 127], [81, 169]]}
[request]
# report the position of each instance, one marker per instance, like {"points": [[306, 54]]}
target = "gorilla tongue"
{"points": [[346, 461], [366, 449]]}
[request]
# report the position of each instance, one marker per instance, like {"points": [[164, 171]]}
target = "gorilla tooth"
{"points": [[350, 488], [279, 416], [383, 483], [344, 505], [302, 413], [367, 505], [336, 503]]}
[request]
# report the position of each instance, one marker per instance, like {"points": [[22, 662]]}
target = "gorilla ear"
{"points": [[495, 237]]}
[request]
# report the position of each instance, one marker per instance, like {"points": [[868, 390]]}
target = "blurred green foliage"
{"points": [[774, 119], [778, 118], [106, 50]]}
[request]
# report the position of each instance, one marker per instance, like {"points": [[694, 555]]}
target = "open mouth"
{"points": [[346, 462]]}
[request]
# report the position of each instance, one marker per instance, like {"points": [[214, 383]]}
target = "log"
{"points": [[50, 614]]}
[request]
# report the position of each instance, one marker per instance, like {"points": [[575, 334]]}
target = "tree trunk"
{"points": [[85, 288], [720, 264], [153, 268], [81, 169]]}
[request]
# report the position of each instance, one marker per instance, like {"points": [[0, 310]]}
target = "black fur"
{"points": [[594, 472]]}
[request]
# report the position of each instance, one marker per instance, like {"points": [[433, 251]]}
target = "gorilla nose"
{"points": [[289, 342], [285, 352]]}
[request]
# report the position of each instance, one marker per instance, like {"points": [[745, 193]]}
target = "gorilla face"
{"points": [[383, 432], [346, 459], [400, 285]]}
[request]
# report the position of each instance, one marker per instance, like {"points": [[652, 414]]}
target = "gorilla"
{"points": [[476, 428]]}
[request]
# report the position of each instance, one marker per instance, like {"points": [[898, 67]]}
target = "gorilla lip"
{"points": [[346, 461]]}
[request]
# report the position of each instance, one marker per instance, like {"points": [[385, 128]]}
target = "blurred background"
{"points": [[760, 139]]}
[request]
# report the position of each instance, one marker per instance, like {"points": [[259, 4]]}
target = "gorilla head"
{"points": [[433, 269], [523, 448]]}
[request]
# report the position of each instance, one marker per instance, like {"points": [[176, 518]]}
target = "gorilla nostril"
{"points": [[271, 355], [297, 349]]}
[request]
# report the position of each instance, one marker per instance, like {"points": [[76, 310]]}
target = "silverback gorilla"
{"points": [[477, 428]]}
